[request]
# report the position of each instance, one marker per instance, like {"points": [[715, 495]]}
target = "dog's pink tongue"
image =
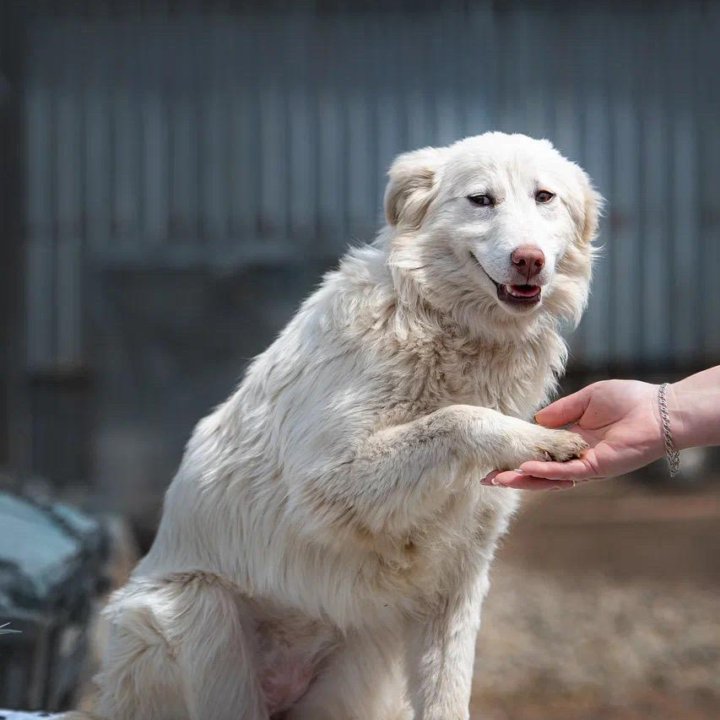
{"points": [[523, 290]]}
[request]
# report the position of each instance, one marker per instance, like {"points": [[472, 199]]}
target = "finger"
{"points": [[521, 481], [565, 410], [572, 470]]}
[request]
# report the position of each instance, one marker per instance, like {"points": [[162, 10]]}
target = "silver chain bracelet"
{"points": [[671, 454]]}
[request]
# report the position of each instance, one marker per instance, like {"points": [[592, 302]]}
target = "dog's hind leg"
{"points": [[180, 650]]}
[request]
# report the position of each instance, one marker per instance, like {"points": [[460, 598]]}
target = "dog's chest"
{"points": [[450, 548], [513, 379]]}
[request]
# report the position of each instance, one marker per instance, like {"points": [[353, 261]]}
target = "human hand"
{"points": [[618, 419]]}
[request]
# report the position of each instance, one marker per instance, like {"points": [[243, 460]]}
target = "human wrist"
{"points": [[672, 454], [682, 419], [655, 437], [695, 402]]}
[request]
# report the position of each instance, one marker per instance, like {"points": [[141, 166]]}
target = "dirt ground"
{"points": [[604, 605]]}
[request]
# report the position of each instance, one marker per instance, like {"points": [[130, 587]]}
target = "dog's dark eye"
{"points": [[544, 196], [482, 200]]}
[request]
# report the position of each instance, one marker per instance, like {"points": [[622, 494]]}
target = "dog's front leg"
{"points": [[440, 654], [402, 474]]}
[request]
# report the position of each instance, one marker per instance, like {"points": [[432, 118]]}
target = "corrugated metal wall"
{"points": [[208, 138], [174, 138]]}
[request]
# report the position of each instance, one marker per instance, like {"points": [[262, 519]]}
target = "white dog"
{"points": [[324, 548]]}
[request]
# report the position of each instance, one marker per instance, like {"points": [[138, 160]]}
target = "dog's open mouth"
{"points": [[526, 295], [522, 294]]}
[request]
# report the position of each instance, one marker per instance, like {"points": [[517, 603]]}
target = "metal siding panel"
{"points": [[243, 150], [40, 318], [416, 65], [621, 223], [683, 198], [442, 77], [152, 108], [184, 153], [38, 124], [506, 74], [709, 97], [331, 215], [273, 136], [654, 181], [126, 151], [389, 106], [521, 34], [256, 129], [302, 137], [359, 166], [69, 302], [566, 120], [40, 189], [213, 157], [69, 203], [479, 52], [376, 82], [524, 98], [98, 169], [594, 35]]}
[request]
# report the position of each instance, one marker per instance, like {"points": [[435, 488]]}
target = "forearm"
{"points": [[694, 405]]}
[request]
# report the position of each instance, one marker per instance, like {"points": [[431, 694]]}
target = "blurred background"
{"points": [[176, 175]]}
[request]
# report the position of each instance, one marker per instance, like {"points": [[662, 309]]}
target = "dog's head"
{"points": [[495, 228]]}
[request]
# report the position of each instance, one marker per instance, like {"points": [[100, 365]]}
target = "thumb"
{"points": [[565, 410]]}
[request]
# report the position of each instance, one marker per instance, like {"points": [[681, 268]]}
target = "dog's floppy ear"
{"points": [[412, 186], [589, 212]]}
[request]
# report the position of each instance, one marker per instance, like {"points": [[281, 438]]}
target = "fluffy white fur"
{"points": [[324, 548]]}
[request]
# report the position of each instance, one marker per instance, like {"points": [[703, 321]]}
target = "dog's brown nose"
{"points": [[528, 260]]}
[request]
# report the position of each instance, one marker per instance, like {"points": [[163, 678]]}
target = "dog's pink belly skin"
{"points": [[292, 649], [285, 681]]}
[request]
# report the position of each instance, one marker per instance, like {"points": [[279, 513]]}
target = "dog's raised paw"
{"points": [[560, 445]]}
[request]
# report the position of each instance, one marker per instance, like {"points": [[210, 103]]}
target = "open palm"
{"points": [[619, 421]]}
